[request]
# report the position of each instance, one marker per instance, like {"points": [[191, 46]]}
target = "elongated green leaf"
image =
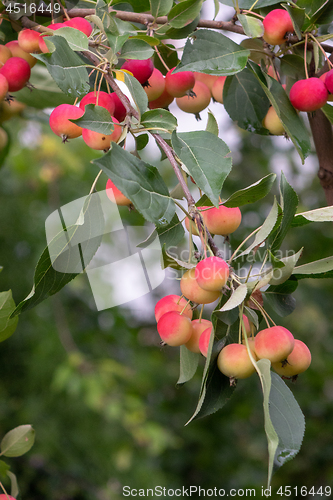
{"points": [[169, 236], [245, 101], [252, 193], [160, 7], [252, 26], [205, 157], [136, 49], [236, 298], [4, 468], [68, 252], [140, 182], [7, 306], [324, 214], [96, 118], [322, 268], [159, 119], [328, 111], [188, 364], [289, 203], [18, 441], [212, 53], [212, 125], [169, 260], [184, 13], [76, 40], [293, 124], [116, 41], [280, 275], [14, 489], [280, 299], [139, 95], [66, 68]]}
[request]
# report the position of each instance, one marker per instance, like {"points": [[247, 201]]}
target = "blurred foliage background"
{"points": [[97, 387]]}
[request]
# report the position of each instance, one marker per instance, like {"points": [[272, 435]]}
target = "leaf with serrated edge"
{"points": [[188, 364], [136, 49], [7, 306], [96, 118], [280, 275], [136, 90], [18, 441], [236, 298], [252, 26], [159, 119], [212, 125], [184, 13], [289, 203], [212, 53], [170, 261], [324, 214], [160, 7], [316, 267], [77, 40]]}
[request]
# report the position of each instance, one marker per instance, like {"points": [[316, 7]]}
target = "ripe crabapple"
{"points": [[247, 326], [52, 27], [195, 103], [28, 40], [212, 273], [173, 303], [179, 83], [81, 24], [274, 343], [163, 101], [3, 87], [4, 496], [119, 109], [5, 54], [222, 220], [156, 85], [277, 24], [297, 362], [217, 89], [141, 69], [10, 109], [17, 51], [99, 99], [308, 95], [101, 142], [273, 123], [198, 327], [115, 195], [234, 361], [60, 124], [175, 329], [209, 80], [328, 80], [204, 341], [190, 288], [17, 72]]}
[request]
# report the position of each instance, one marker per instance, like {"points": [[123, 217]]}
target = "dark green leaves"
{"points": [[66, 68], [205, 157], [212, 53], [252, 193], [322, 268], [7, 306], [160, 7], [158, 119], [96, 118], [184, 13], [245, 101], [140, 182], [188, 364], [136, 49]]}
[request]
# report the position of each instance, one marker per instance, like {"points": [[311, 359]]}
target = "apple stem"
{"points": [[201, 311], [305, 50], [322, 50]]}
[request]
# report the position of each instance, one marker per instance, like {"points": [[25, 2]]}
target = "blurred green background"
{"points": [[97, 387]]}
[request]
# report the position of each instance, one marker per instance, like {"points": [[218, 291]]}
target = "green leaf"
{"points": [[159, 119], [245, 101], [66, 68], [324, 214], [179, 33], [247, 4], [62, 259], [212, 125], [212, 53], [17, 441], [96, 118], [289, 203], [292, 123], [151, 40], [280, 275], [280, 299], [160, 7], [14, 489], [184, 13], [46, 93], [264, 231], [322, 268], [5, 150], [7, 306], [140, 182], [136, 49], [76, 40], [169, 260], [169, 54], [117, 41], [236, 298], [139, 95], [169, 235], [4, 468], [297, 16], [188, 364], [293, 65], [252, 26], [205, 157], [252, 193], [328, 111]]}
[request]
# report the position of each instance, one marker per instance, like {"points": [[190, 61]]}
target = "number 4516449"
{"points": [[304, 491], [32, 8]]}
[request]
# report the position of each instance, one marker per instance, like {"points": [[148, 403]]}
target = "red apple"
{"points": [[308, 95], [190, 288], [179, 83], [175, 329], [172, 303], [198, 327], [115, 195], [17, 72], [274, 343], [277, 24], [60, 124], [212, 273]]}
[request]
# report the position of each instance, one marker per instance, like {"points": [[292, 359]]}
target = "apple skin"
{"points": [[115, 195], [141, 69], [60, 124], [3, 87], [81, 24], [198, 327], [17, 72], [28, 40], [234, 361], [297, 362], [6, 497], [101, 142], [327, 78], [163, 101], [17, 51], [308, 95], [10, 109], [217, 89], [204, 341], [273, 123], [212, 273], [197, 103], [277, 24], [274, 343], [175, 329], [179, 83], [172, 303], [208, 80], [156, 85], [5, 54], [119, 108], [190, 288], [221, 220], [247, 326], [100, 98]]}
